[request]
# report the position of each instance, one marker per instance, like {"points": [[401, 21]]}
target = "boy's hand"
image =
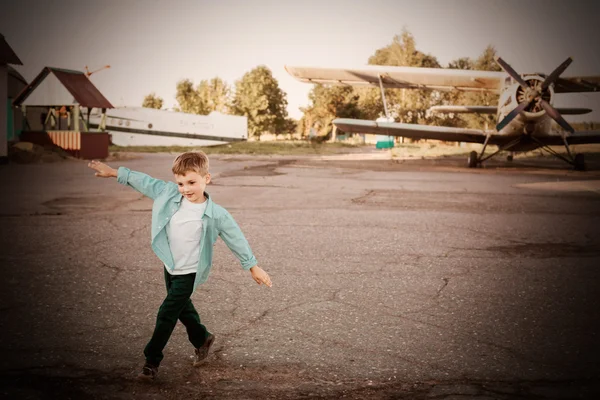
{"points": [[102, 170], [260, 276]]}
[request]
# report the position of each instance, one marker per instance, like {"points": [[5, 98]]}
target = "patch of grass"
{"points": [[428, 150], [258, 148]]}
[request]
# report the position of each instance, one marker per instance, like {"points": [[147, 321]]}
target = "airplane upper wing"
{"points": [[403, 77], [412, 131]]}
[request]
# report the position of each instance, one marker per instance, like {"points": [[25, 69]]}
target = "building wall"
{"points": [[16, 83], [3, 110]]}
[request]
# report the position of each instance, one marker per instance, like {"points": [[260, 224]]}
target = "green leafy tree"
{"points": [[291, 125], [405, 105], [485, 62], [152, 101], [326, 104], [214, 95], [455, 97], [259, 98], [188, 98], [461, 63], [208, 96]]}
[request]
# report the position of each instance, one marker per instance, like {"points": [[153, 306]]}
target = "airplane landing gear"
{"points": [[509, 157], [473, 159], [579, 162], [476, 160]]}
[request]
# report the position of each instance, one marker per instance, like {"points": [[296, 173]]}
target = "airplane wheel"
{"points": [[579, 162], [509, 157], [472, 160]]}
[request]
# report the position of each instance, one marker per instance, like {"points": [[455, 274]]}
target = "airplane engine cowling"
{"points": [[534, 110]]}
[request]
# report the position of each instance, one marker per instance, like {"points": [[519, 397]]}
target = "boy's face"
{"points": [[192, 185]]}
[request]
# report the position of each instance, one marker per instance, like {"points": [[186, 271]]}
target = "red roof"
{"points": [[7, 55], [76, 82]]}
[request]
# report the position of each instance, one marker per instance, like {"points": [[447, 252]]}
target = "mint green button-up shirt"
{"points": [[216, 222]]}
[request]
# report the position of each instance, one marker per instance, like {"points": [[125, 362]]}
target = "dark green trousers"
{"points": [[176, 306]]}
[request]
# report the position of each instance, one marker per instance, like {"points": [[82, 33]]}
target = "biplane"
{"points": [[524, 111]]}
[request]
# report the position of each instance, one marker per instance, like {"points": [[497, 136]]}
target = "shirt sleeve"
{"points": [[233, 237], [145, 184]]}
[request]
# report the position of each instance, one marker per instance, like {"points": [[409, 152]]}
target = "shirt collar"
{"points": [[209, 205]]}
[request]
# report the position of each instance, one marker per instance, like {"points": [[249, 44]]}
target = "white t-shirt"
{"points": [[184, 232]]}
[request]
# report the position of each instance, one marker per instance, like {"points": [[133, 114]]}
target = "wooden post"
{"points": [[102, 124], [76, 118], [333, 134], [25, 122]]}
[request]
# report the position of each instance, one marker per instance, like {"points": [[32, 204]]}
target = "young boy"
{"points": [[185, 225]]}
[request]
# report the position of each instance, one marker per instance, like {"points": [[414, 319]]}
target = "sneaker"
{"points": [[202, 351], [148, 373]]}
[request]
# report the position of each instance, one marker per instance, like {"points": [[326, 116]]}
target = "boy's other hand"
{"points": [[102, 170], [260, 276]]}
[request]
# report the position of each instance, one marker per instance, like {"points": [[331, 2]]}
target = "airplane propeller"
{"points": [[532, 93]]}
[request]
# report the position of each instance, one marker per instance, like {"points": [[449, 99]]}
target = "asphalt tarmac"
{"points": [[391, 279]]}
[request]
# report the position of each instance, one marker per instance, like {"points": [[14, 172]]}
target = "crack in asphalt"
{"points": [[446, 280], [116, 270], [363, 199], [405, 316], [362, 350]]}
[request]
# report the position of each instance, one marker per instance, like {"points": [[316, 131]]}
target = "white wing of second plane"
{"points": [[403, 77], [412, 131]]}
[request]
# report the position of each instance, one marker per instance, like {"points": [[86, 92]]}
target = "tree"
{"points": [[152, 101], [208, 96], [188, 98], [455, 97], [326, 104], [485, 62], [259, 98], [405, 105], [461, 63], [214, 95]]}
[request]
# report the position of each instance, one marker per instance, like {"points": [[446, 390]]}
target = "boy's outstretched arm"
{"points": [[260, 276], [233, 237], [102, 170], [145, 184]]}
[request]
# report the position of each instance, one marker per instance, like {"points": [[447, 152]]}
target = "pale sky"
{"points": [[151, 45]]}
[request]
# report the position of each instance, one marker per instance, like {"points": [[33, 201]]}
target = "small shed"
{"points": [[67, 98], [7, 56]]}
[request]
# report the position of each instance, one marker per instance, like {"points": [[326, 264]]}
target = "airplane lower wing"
{"points": [[494, 110], [577, 84], [578, 137], [412, 131], [464, 109]]}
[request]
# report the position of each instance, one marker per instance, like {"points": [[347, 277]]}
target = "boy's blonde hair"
{"points": [[196, 161]]}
